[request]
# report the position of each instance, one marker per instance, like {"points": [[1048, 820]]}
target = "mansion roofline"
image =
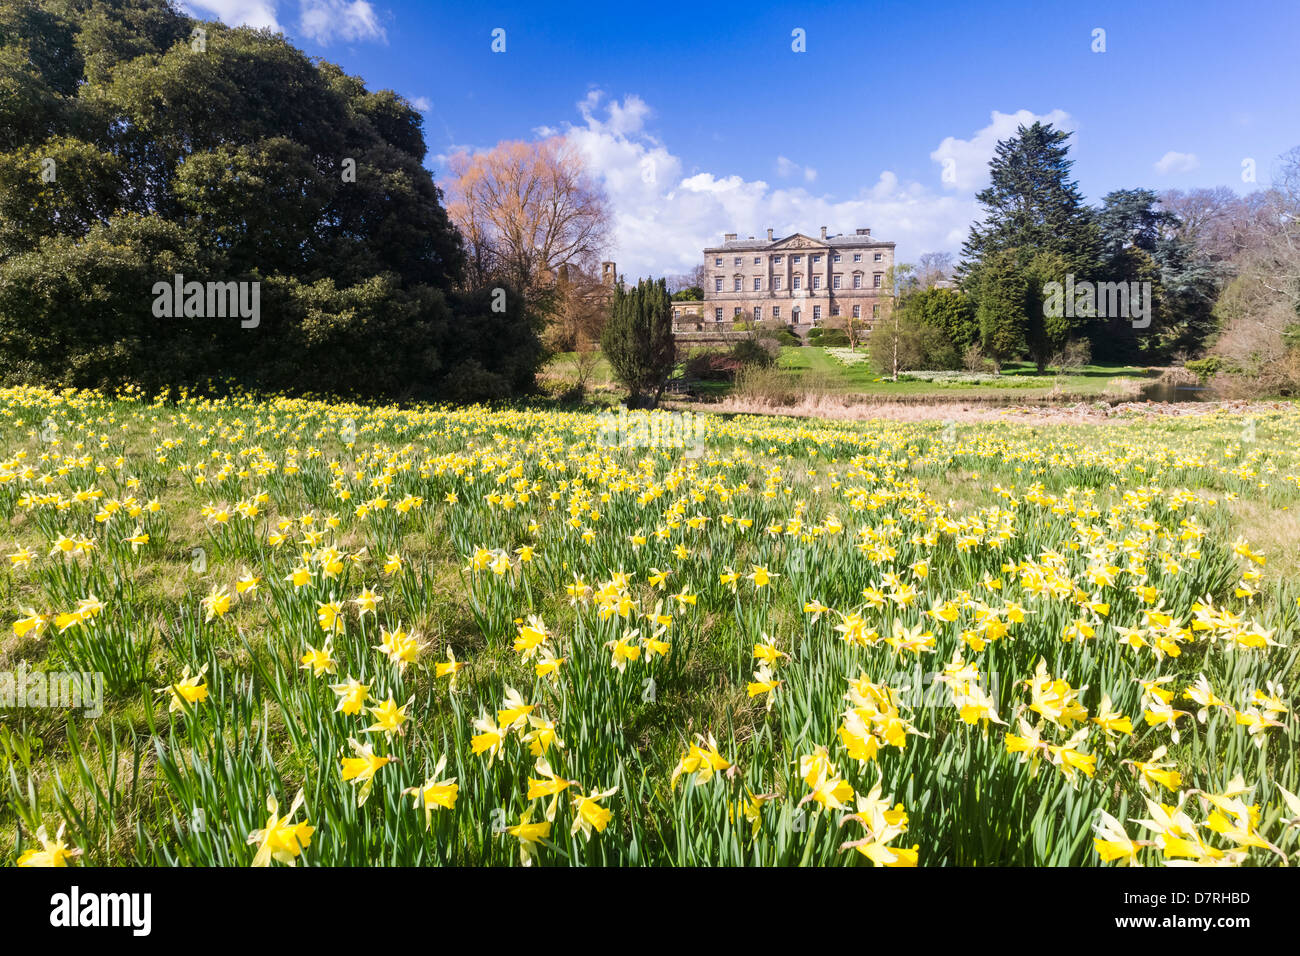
{"points": [[860, 238]]}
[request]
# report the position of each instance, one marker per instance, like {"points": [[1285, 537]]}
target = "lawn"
{"points": [[442, 635], [817, 367]]}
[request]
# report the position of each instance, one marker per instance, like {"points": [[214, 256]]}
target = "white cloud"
{"points": [[422, 103], [964, 163], [320, 20], [664, 217], [623, 118], [785, 168], [236, 13], [1172, 162], [346, 20]]}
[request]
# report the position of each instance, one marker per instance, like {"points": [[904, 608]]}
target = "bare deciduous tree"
{"points": [[933, 268], [1216, 221], [1259, 310], [682, 281], [889, 341], [582, 310], [525, 209]]}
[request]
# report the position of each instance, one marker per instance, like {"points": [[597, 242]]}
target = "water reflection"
{"points": [[1169, 392]]}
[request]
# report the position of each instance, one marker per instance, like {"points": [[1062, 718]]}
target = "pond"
{"points": [[1169, 392]]}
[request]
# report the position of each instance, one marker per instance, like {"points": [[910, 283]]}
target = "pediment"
{"points": [[799, 241]]}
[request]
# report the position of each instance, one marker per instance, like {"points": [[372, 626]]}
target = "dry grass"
{"points": [[847, 408], [1274, 531]]}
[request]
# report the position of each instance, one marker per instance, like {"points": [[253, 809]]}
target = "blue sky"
{"points": [[702, 119]]}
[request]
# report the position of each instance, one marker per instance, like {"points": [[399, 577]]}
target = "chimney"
{"points": [[864, 232], [769, 235], [728, 237], [823, 232]]}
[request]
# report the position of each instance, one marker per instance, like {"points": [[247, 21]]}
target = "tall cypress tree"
{"points": [[638, 340]]}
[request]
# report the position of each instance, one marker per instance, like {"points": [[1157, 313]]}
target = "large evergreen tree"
{"points": [[133, 148], [949, 311], [1001, 296], [1031, 205], [638, 340], [1141, 242], [1035, 225]]}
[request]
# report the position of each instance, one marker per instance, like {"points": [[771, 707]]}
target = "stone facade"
{"points": [[795, 280]]}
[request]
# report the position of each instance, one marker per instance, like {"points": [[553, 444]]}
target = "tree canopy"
{"points": [[139, 144]]}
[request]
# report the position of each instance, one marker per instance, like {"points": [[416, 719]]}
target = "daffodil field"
{"points": [[332, 634]]}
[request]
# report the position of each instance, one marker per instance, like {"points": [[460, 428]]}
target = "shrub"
{"points": [[752, 352], [829, 338], [1074, 355], [975, 359], [711, 366], [1206, 368], [767, 386]]}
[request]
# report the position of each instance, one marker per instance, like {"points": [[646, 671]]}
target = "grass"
{"points": [[803, 611], [816, 369], [817, 366]]}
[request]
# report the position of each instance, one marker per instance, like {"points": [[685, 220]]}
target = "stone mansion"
{"points": [[794, 280]]}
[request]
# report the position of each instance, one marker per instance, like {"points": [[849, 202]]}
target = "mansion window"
{"points": [[736, 261], [817, 259], [817, 313], [717, 315], [739, 282], [717, 284], [876, 257], [837, 257], [758, 284], [736, 313], [835, 282], [835, 310], [776, 313], [718, 262], [857, 280], [817, 282], [776, 283], [757, 260], [677, 313], [857, 311], [798, 282], [797, 260], [875, 280], [776, 260], [875, 311], [758, 313], [857, 257]]}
